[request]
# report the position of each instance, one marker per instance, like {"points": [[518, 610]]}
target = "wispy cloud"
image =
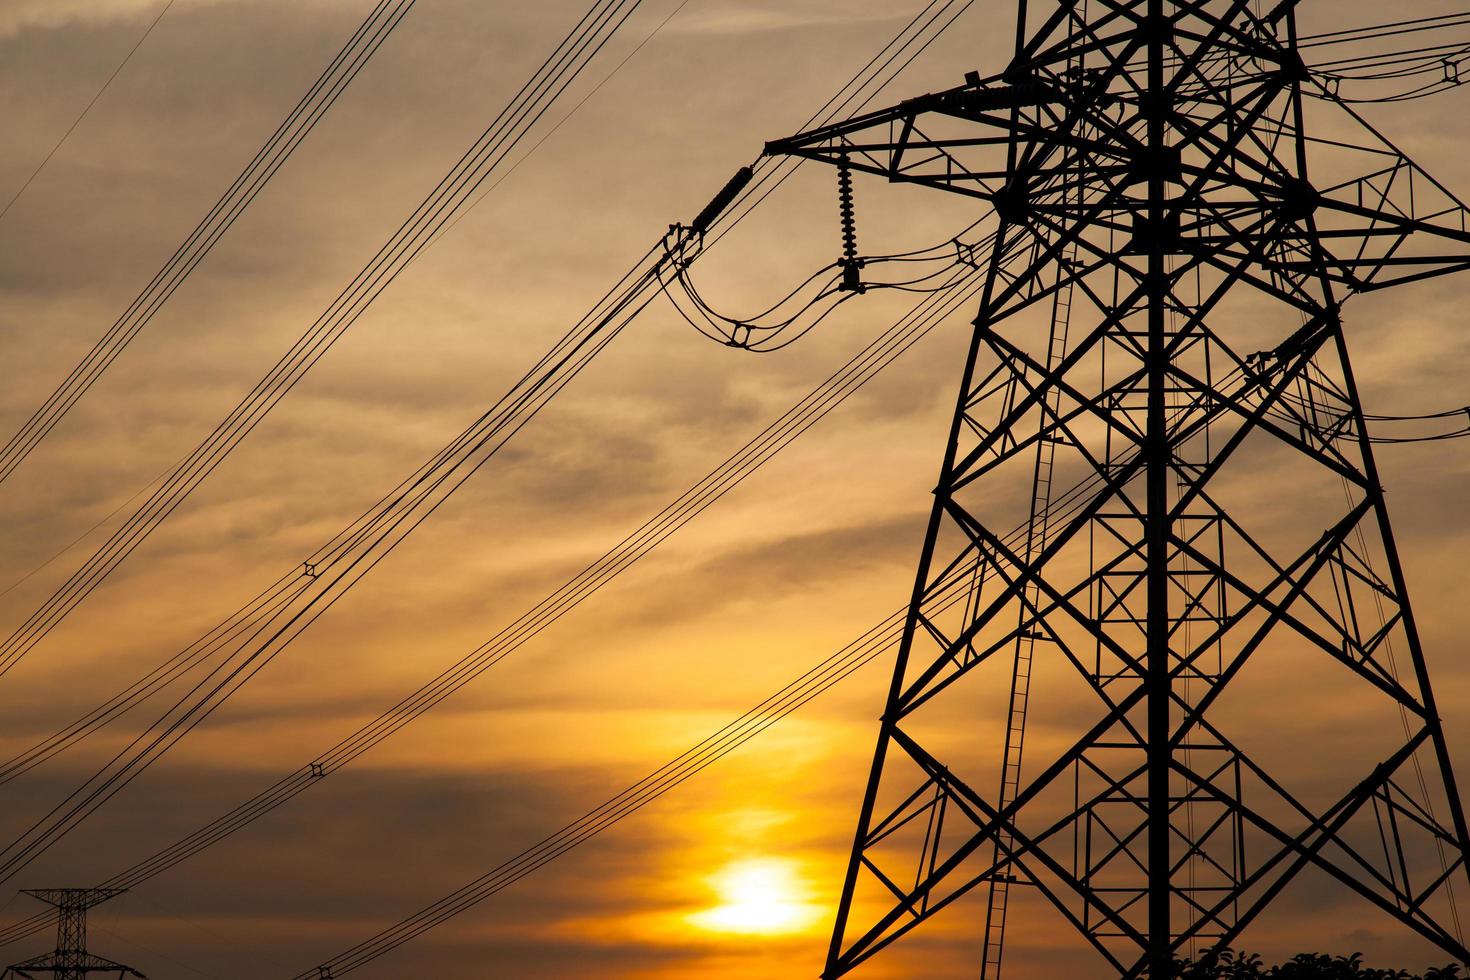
{"points": [[756, 18], [20, 15]]}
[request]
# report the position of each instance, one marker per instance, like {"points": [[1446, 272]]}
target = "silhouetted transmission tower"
{"points": [[70, 960], [1163, 207]]}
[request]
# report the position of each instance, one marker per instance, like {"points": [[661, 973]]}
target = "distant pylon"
{"points": [[70, 960], [1161, 205]]}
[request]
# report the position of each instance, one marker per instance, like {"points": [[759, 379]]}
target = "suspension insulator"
{"points": [[850, 263]]}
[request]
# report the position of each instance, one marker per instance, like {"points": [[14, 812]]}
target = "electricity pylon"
{"points": [[1173, 189], [70, 960]]}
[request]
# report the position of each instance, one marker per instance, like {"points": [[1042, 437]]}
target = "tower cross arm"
{"points": [[1380, 218], [1392, 226], [917, 141], [83, 964]]}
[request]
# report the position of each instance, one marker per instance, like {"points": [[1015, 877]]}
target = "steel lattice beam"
{"points": [[70, 960], [1151, 167]]}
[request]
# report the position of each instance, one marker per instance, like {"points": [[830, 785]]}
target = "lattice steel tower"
{"points": [[1159, 359], [70, 960]]}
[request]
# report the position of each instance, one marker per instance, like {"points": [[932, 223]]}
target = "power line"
{"points": [[485, 192], [83, 114], [843, 383], [1392, 29], [381, 21], [289, 588], [567, 61], [581, 587], [954, 586], [85, 534], [331, 572]]}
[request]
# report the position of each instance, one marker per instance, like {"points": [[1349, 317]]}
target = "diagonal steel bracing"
{"points": [[1155, 173], [70, 960]]}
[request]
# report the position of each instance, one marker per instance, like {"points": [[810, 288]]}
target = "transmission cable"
{"points": [[1343, 422], [298, 124], [282, 594], [954, 586], [83, 114], [242, 621], [1441, 59], [452, 193], [1376, 31], [1332, 70], [331, 572], [653, 532], [805, 307]]}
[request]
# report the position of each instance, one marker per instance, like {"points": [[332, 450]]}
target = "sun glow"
{"points": [[758, 896]]}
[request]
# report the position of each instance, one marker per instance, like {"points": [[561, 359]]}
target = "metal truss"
{"points": [[1153, 172], [70, 960]]}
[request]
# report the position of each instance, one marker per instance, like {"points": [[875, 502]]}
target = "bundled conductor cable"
{"points": [[298, 124], [722, 215], [448, 199]]}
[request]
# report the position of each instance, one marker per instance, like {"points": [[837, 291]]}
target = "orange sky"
{"points": [[808, 554]]}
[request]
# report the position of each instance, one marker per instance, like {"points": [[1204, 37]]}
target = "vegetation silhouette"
{"points": [[1227, 964]]}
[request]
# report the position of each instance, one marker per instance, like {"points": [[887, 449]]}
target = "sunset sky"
{"points": [[735, 873]]}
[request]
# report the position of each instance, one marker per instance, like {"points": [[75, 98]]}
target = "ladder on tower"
{"points": [[1027, 631]]}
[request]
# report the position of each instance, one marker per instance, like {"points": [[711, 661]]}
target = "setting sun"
{"points": [[758, 895]]}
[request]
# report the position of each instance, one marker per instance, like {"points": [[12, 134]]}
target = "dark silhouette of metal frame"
{"points": [[70, 960], [1148, 163]]}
